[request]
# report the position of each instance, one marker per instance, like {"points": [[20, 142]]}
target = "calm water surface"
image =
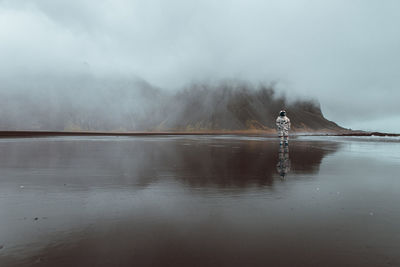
{"points": [[199, 201]]}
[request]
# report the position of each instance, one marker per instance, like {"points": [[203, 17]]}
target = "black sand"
{"points": [[199, 201]]}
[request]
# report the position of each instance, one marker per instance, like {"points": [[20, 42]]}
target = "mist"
{"points": [[90, 54]]}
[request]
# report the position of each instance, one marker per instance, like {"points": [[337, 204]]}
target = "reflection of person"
{"points": [[283, 127], [283, 166]]}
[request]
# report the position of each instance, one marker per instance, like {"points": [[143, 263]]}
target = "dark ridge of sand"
{"points": [[16, 134], [369, 134]]}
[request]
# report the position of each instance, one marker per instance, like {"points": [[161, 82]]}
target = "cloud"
{"points": [[344, 53]]}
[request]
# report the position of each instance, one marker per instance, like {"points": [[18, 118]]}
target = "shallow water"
{"points": [[199, 201]]}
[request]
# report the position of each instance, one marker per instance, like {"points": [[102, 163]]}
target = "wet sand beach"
{"points": [[199, 200]]}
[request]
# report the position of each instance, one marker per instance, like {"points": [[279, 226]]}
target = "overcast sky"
{"points": [[344, 53]]}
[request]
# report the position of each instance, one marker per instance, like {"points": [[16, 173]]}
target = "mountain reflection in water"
{"points": [[143, 161]]}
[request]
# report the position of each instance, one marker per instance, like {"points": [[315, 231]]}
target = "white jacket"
{"points": [[283, 125]]}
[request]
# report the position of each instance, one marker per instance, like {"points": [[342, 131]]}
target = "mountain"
{"points": [[238, 106], [89, 103]]}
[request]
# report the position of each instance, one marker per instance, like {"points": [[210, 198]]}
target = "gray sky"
{"points": [[344, 53]]}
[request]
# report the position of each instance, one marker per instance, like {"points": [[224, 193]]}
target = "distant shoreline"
{"points": [[16, 134]]}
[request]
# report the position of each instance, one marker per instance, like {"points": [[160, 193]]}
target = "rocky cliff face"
{"points": [[233, 106]]}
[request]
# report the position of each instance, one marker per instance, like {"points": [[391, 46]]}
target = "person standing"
{"points": [[283, 127]]}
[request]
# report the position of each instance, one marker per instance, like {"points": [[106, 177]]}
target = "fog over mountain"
{"points": [[237, 105], [117, 104], [344, 54]]}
